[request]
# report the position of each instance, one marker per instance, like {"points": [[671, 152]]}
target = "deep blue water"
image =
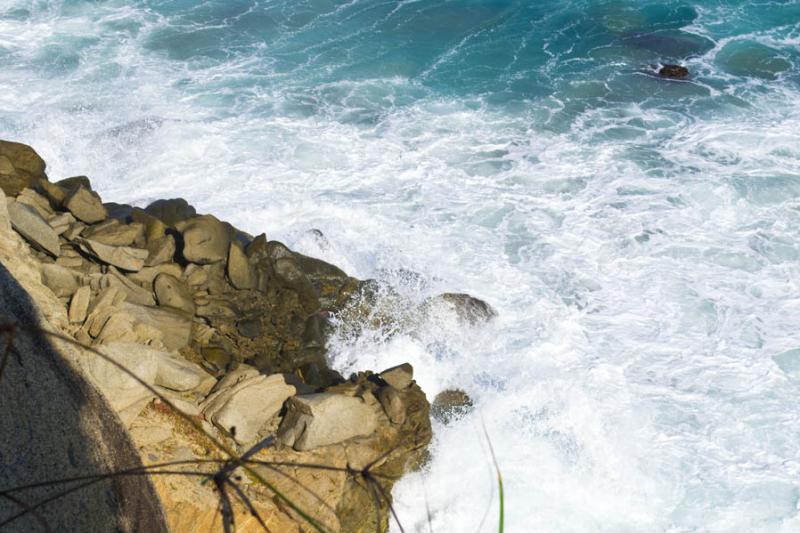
{"points": [[638, 235]]}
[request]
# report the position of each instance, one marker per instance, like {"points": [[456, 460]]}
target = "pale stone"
{"points": [[205, 239], [58, 279], [85, 205], [79, 305], [323, 419], [243, 404], [34, 228], [240, 271], [175, 325], [176, 373], [122, 257], [172, 292], [399, 377]]}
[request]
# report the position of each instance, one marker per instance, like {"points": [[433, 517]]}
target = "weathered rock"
{"points": [[5, 223], [240, 272], [178, 374], [20, 167], [172, 292], [61, 222], [153, 227], [39, 203], [175, 325], [85, 205], [450, 404], [400, 377], [74, 231], [242, 406], [120, 212], [118, 328], [673, 71], [60, 280], [121, 389], [79, 305], [289, 274], [147, 275], [33, 227], [133, 292], [469, 309], [122, 257], [205, 240], [113, 233], [54, 193], [160, 250], [171, 211], [70, 184], [323, 419], [392, 403]]}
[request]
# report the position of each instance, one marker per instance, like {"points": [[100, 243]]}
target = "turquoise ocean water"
{"points": [[638, 236]]}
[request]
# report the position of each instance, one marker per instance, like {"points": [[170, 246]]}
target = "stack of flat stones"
{"points": [[171, 278]]}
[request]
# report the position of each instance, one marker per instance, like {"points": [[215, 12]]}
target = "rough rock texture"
{"points": [[205, 239], [34, 228], [230, 330], [673, 71], [54, 424], [20, 167], [124, 257], [172, 211], [246, 401], [450, 405], [85, 205]]}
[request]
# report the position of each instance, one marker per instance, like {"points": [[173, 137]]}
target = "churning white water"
{"points": [[641, 250]]}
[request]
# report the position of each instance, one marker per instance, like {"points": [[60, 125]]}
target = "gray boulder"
{"points": [[245, 401], [171, 211], [325, 418], [450, 405], [33, 228], [160, 250], [177, 374], [205, 240], [125, 394], [85, 205], [175, 325], [58, 279], [172, 292], [468, 309]]}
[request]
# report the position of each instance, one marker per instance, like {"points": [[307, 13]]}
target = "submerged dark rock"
{"points": [[673, 71]]}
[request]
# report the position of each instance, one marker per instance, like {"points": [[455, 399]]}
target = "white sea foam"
{"points": [[644, 263]]}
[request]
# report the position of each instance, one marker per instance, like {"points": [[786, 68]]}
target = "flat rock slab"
{"points": [[60, 280], [85, 205], [245, 402], [34, 228], [399, 377], [114, 233], [325, 418], [172, 292], [178, 374], [79, 305], [122, 257], [175, 325]]}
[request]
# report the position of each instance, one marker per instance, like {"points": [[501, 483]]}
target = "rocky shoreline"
{"points": [[230, 329]]}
